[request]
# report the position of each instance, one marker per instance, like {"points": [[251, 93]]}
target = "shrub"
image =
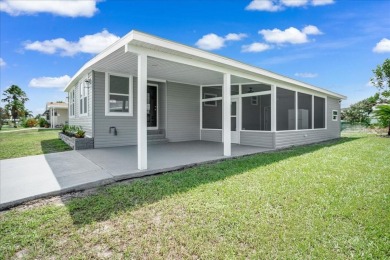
{"points": [[73, 131], [29, 122], [80, 134], [42, 122], [65, 128]]}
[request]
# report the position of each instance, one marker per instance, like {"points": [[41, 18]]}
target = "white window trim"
{"points": [[71, 103], [83, 98], [107, 95], [335, 117], [241, 95], [214, 98]]}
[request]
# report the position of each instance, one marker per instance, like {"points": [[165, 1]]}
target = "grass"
{"points": [[324, 201], [30, 142]]}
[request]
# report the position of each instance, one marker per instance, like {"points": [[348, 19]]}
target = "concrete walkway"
{"points": [[28, 178]]}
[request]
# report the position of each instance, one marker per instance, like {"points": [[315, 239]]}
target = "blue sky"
{"points": [[333, 44]]}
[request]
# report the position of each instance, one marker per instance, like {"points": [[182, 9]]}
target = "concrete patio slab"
{"points": [[121, 162], [28, 178]]}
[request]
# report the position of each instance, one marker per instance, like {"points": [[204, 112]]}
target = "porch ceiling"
{"points": [[126, 63]]}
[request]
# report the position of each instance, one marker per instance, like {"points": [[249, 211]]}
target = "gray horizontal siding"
{"points": [[126, 125], [182, 122], [212, 135], [262, 139], [289, 138], [84, 121]]}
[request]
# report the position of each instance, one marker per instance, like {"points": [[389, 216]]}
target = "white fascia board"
{"points": [[226, 65], [87, 66], [201, 58]]}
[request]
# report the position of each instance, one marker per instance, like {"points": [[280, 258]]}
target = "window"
{"points": [[253, 88], [304, 111], [71, 103], [212, 115], [211, 92], [256, 115], [285, 109], [234, 90], [210, 103], [335, 115], [254, 101], [212, 110], [119, 95], [83, 99], [319, 112]]}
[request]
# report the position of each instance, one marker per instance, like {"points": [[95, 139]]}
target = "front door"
{"points": [[234, 121], [152, 107]]}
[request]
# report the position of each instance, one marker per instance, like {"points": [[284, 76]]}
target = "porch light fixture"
{"points": [[88, 81]]}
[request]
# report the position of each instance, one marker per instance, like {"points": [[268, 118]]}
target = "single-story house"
{"points": [[143, 85], [56, 114]]}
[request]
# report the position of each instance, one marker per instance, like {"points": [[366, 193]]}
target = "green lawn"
{"points": [[30, 142], [324, 201]]}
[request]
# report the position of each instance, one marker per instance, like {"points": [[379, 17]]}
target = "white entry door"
{"points": [[234, 121]]}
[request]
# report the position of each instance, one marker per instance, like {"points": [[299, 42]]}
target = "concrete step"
{"points": [[156, 132], [158, 141], [156, 136]]}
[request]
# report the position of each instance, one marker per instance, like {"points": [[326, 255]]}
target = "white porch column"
{"points": [[273, 108], [141, 112], [226, 115], [52, 117]]}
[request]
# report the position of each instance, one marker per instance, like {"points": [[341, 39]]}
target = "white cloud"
{"points": [[256, 47], [264, 5], [74, 8], [306, 75], [92, 44], [294, 2], [291, 35], [2, 63], [279, 5], [322, 2], [382, 46], [311, 30], [212, 41], [50, 82], [235, 36]]}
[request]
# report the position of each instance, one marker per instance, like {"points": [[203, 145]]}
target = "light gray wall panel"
{"points": [[125, 125], [84, 121], [288, 138], [212, 135], [182, 123], [262, 139]]}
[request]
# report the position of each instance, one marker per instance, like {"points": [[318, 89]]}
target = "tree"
{"points": [[15, 98], [383, 112], [381, 79], [360, 111]]}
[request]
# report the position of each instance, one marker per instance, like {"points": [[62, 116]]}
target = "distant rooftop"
{"points": [[56, 105]]}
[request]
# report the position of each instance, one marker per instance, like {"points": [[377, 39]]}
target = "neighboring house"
{"points": [[143, 85], [56, 114]]}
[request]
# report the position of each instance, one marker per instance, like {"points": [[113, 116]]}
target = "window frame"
{"points": [[208, 103], [108, 93], [83, 97], [335, 117], [71, 105]]}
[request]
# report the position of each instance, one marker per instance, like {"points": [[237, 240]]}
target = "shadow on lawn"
{"points": [[113, 199], [53, 146]]}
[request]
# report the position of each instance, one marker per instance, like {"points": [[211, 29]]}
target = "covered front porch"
{"points": [[192, 93]]}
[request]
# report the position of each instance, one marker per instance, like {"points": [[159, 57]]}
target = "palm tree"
{"points": [[15, 98], [383, 111]]}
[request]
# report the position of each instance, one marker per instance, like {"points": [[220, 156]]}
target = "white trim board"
{"points": [[139, 42]]}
